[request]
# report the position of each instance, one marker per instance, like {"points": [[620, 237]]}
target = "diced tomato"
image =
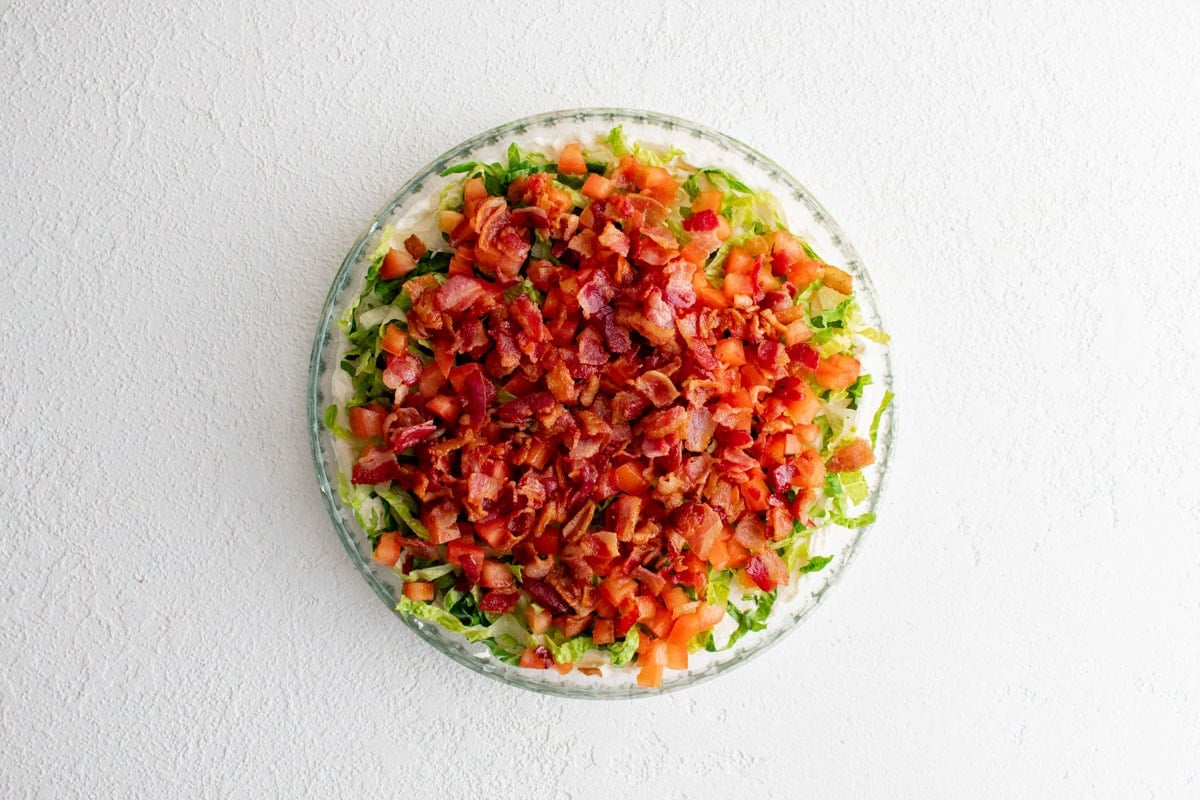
{"points": [[652, 663], [495, 575], [709, 200], [675, 597], [707, 294], [756, 494], [446, 408], [660, 623], [396, 264], [420, 591], [838, 372], [852, 456], [739, 262], [394, 340], [571, 161], [447, 221], [630, 479], [597, 187], [387, 549], [731, 352], [602, 632], [467, 555], [724, 230], [700, 620], [538, 620], [737, 284], [618, 589], [537, 658], [657, 182], [677, 656], [366, 422]]}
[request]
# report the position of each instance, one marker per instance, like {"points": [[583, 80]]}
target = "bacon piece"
{"points": [[750, 533], [657, 388], [699, 525], [522, 408], [767, 570], [595, 293], [404, 438], [502, 245], [700, 429], [614, 239], [402, 371], [375, 465], [530, 217], [441, 520], [499, 601]]}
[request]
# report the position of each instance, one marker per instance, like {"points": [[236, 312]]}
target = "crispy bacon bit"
{"points": [[545, 596], [530, 217], [595, 294], [402, 371], [700, 429], [499, 601], [657, 388], [375, 465], [404, 438], [699, 525], [750, 533], [441, 521], [612, 238], [767, 570]]}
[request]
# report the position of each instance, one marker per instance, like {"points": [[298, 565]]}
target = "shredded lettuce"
{"points": [[887, 401], [569, 651], [852, 522], [752, 619], [621, 653], [654, 158], [616, 141], [717, 593], [426, 574], [816, 564], [331, 422], [367, 508], [505, 625], [404, 508], [855, 486]]}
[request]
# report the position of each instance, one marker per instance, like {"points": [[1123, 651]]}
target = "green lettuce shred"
{"points": [[887, 401], [621, 653], [569, 651]]}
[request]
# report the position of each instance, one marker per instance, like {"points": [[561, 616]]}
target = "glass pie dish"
{"points": [[414, 207]]}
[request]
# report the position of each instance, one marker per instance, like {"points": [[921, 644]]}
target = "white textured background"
{"points": [[177, 186]]}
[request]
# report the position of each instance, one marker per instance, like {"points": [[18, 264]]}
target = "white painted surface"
{"points": [[178, 185]]}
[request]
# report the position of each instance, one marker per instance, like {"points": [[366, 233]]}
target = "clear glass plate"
{"points": [[410, 208]]}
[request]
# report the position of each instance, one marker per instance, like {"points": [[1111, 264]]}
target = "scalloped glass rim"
{"points": [[790, 192]]}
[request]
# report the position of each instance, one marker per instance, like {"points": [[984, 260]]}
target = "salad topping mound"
{"points": [[598, 421]]}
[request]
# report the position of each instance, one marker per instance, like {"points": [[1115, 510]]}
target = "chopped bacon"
{"points": [[404, 438], [375, 465], [402, 371], [595, 294], [700, 429], [614, 239], [657, 388], [499, 601], [767, 570]]}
